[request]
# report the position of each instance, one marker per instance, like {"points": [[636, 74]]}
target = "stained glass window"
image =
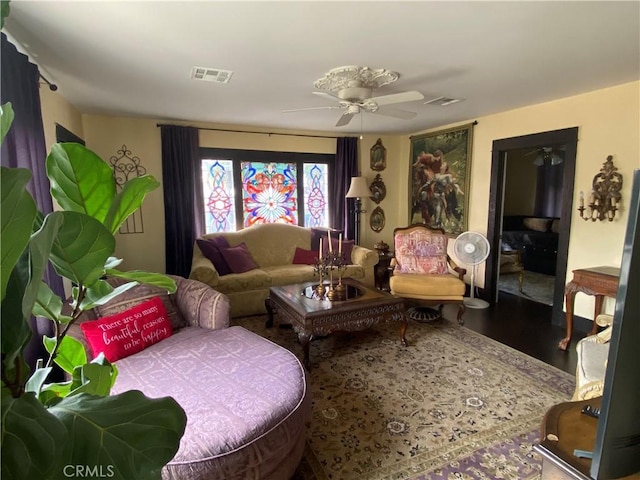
{"points": [[246, 187], [269, 193], [316, 207], [219, 195]]}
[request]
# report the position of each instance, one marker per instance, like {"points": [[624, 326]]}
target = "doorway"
{"points": [[566, 139]]}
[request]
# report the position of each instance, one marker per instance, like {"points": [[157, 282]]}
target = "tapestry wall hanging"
{"points": [[440, 174]]}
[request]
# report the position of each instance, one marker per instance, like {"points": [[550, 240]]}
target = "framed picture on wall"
{"points": [[378, 157], [439, 181]]}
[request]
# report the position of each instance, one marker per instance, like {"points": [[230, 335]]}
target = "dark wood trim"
{"points": [[65, 135], [567, 137]]}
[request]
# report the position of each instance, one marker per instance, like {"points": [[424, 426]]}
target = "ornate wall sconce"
{"points": [[605, 194]]}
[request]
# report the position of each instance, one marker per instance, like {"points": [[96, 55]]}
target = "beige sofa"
{"points": [[272, 246]]}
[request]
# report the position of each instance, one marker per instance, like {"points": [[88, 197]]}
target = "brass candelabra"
{"points": [[329, 264]]}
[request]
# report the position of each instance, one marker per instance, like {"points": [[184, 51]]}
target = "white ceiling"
{"points": [[135, 58]]}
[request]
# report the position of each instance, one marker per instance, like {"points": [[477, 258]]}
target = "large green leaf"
{"points": [[37, 379], [102, 292], [49, 305], [14, 327], [18, 211], [82, 248], [40, 247], [92, 378], [80, 180], [70, 353], [32, 440], [129, 200], [148, 278], [6, 111], [135, 434]]}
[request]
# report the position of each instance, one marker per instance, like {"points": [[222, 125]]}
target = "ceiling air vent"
{"points": [[442, 101], [211, 74]]}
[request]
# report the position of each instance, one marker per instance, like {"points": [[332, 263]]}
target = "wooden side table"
{"points": [[381, 270], [597, 281]]}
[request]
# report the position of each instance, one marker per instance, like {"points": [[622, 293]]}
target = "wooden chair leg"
{"points": [[461, 311]]}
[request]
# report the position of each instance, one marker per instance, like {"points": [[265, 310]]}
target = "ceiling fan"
{"points": [[354, 88], [547, 153]]}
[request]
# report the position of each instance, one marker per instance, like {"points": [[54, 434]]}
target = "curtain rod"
{"points": [[249, 131], [52, 86]]}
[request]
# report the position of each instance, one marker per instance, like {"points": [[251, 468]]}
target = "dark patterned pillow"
{"points": [[239, 258], [210, 248]]}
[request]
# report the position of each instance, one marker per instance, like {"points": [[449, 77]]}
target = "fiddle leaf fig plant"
{"points": [[48, 428]]}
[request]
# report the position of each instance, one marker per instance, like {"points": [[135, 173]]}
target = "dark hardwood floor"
{"points": [[523, 325]]}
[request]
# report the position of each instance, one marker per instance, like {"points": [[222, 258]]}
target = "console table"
{"points": [[597, 281]]}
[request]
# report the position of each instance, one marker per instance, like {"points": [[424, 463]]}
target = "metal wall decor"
{"points": [[377, 220], [378, 189], [378, 160], [605, 194], [125, 167]]}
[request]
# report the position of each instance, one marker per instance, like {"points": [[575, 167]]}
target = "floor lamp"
{"points": [[358, 190]]}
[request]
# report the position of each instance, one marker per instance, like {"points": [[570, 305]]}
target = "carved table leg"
{"points": [[569, 298], [269, 306], [305, 341], [598, 309], [403, 331]]}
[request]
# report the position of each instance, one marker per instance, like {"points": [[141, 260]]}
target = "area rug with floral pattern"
{"points": [[452, 405]]}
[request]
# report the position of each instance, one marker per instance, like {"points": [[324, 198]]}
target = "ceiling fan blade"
{"points": [[326, 95], [396, 98], [395, 112], [344, 119], [310, 108]]}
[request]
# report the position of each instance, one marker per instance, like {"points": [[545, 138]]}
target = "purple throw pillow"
{"points": [[239, 258], [347, 247], [305, 257], [210, 248], [320, 232]]}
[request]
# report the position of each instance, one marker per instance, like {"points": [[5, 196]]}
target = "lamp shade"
{"points": [[358, 188]]}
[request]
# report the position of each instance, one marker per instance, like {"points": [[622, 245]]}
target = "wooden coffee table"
{"points": [[311, 317]]}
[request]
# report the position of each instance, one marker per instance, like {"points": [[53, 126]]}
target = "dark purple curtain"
{"points": [[548, 201], [24, 147], [182, 184], [342, 216]]}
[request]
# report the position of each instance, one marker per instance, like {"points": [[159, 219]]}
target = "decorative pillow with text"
{"points": [[128, 332]]}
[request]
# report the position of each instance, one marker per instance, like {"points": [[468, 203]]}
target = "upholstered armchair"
{"points": [[593, 351], [423, 272]]}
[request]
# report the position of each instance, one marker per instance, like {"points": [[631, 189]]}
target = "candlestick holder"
{"points": [[320, 267], [337, 264], [605, 194]]}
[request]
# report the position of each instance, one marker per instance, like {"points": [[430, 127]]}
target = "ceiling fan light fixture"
{"points": [[547, 154], [352, 76]]}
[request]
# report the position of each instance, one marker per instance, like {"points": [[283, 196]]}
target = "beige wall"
{"points": [[608, 122], [519, 185], [56, 109], [393, 204]]}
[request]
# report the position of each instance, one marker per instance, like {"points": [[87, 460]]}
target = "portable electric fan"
{"points": [[472, 249]]}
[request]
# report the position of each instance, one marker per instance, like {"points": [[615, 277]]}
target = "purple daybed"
{"points": [[246, 398]]}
